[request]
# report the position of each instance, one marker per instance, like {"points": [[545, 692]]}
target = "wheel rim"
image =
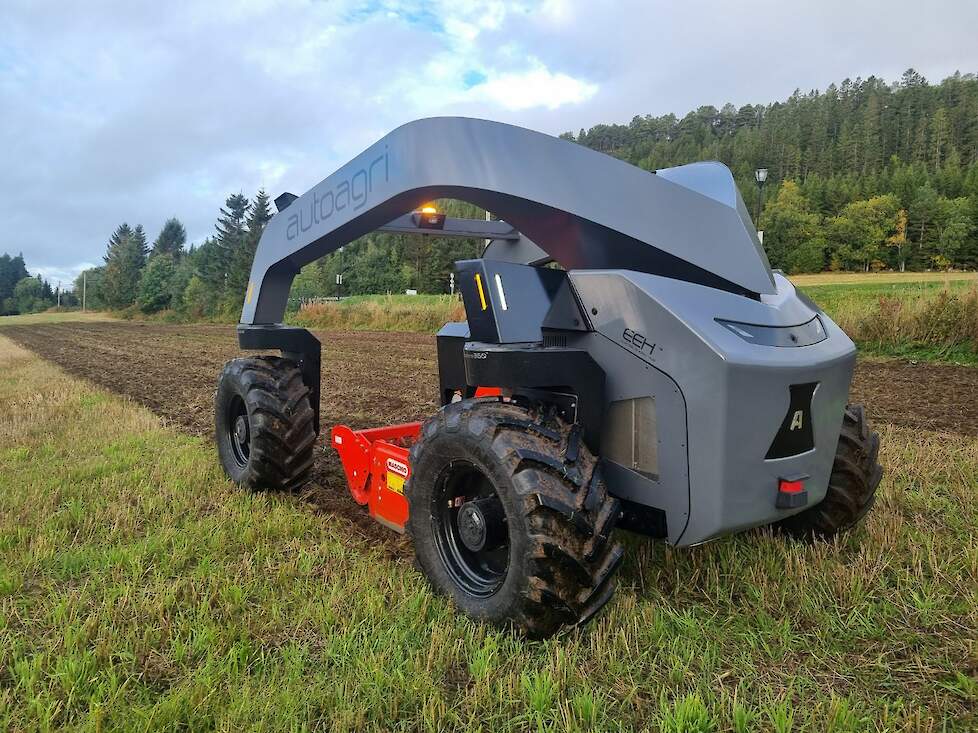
{"points": [[239, 431], [470, 529]]}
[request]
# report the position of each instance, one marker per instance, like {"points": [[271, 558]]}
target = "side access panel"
{"points": [[653, 474]]}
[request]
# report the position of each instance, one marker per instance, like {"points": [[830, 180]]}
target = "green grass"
{"points": [[928, 320], [850, 278], [423, 313], [959, 354], [859, 299], [139, 590]]}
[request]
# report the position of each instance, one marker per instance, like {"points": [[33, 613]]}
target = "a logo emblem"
{"points": [[797, 420], [397, 467], [795, 435]]}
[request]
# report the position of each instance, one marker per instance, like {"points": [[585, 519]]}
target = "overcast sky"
{"points": [[137, 111]]}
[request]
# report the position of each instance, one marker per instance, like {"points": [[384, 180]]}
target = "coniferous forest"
{"points": [[864, 175]]}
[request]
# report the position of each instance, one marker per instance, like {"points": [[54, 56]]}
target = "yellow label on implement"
{"points": [[395, 483]]}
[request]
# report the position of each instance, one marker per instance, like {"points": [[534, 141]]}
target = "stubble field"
{"points": [[138, 589]]}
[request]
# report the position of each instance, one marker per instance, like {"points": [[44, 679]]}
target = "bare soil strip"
{"points": [[372, 378], [941, 397]]}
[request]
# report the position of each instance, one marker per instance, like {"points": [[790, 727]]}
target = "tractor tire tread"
{"points": [[283, 436], [569, 570]]}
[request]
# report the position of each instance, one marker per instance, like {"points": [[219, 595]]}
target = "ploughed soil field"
{"points": [[373, 378]]}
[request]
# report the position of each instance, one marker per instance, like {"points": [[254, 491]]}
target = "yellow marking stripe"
{"points": [[482, 293]]}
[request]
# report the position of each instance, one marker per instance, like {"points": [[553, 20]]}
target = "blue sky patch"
{"points": [[473, 78], [421, 16]]}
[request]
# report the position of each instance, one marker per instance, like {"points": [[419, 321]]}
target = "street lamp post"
{"points": [[760, 175], [339, 277]]}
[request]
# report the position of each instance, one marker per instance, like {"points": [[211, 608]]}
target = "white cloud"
{"points": [[557, 11], [535, 87]]}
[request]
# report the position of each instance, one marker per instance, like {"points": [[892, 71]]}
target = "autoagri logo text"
{"points": [[353, 191]]}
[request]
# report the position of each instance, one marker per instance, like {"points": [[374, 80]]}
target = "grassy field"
{"points": [[423, 313], [139, 590], [927, 319], [879, 278]]}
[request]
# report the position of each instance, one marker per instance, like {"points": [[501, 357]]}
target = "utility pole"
{"points": [[59, 293], [84, 289]]}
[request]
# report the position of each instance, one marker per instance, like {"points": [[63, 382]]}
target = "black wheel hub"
{"points": [[471, 532], [482, 524], [472, 526], [239, 431]]}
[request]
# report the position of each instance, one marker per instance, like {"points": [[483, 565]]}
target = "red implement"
{"points": [[376, 465]]}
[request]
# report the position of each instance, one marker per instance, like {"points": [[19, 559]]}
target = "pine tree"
{"points": [[230, 235], [231, 223], [210, 267], [939, 138], [140, 244], [171, 239], [243, 255], [124, 260]]}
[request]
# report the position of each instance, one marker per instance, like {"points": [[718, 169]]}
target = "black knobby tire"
{"points": [[856, 474], [559, 556], [273, 447]]}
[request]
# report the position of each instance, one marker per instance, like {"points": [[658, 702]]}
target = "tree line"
{"points": [[21, 292], [208, 280]]}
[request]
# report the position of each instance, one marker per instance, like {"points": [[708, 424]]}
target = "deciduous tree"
{"points": [[155, 287]]}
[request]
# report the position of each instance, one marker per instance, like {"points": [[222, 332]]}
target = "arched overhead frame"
{"points": [[584, 209]]}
